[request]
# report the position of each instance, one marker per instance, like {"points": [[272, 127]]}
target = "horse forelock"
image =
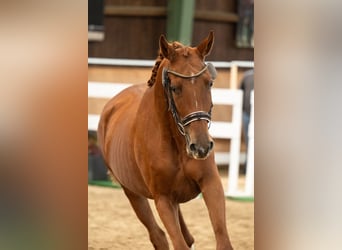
{"points": [[178, 49]]}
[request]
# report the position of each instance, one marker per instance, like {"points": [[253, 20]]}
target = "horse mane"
{"points": [[155, 70], [176, 46]]}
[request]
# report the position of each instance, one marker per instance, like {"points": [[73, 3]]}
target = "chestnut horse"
{"points": [[156, 143]]}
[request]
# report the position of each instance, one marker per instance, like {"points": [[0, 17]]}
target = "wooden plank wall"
{"points": [[133, 27]]}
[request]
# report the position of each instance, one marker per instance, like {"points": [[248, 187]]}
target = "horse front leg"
{"points": [[169, 214], [213, 195]]}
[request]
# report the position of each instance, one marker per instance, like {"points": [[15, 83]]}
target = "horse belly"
{"points": [[117, 121]]}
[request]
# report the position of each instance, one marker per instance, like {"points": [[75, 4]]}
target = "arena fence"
{"points": [[247, 191]]}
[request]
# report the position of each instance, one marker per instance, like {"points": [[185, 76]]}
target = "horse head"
{"points": [[187, 82]]}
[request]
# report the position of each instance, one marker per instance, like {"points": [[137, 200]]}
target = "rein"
{"points": [[194, 116]]}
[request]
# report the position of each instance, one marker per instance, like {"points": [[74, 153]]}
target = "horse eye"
{"points": [[211, 83], [176, 89]]}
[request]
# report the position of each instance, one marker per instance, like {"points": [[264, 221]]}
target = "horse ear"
{"points": [[164, 46], [205, 46]]}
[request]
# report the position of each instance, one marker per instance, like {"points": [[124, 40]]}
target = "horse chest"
{"points": [[184, 189], [174, 180]]}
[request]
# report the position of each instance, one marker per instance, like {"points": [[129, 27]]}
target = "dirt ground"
{"points": [[112, 223]]}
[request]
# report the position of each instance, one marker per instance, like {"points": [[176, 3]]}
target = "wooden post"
{"points": [[233, 76], [180, 16]]}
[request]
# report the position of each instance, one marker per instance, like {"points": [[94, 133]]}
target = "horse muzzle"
{"points": [[199, 149]]}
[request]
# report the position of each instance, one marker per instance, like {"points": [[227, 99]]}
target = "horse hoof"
{"points": [[192, 247]]}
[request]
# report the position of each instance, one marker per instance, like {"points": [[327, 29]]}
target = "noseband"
{"points": [[194, 116]]}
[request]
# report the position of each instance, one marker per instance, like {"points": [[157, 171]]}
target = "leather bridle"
{"points": [[194, 116]]}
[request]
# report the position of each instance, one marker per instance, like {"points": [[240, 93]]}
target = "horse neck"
{"points": [[165, 118]]}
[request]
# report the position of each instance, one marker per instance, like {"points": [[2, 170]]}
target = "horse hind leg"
{"points": [[189, 239], [144, 213]]}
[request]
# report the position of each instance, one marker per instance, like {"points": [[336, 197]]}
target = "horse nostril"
{"points": [[193, 147], [211, 145]]}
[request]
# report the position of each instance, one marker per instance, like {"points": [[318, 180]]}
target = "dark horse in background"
{"points": [[155, 141]]}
